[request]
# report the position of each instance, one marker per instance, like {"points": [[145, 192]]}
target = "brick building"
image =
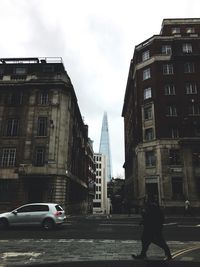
{"points": [[162, 117], [44, 145]]}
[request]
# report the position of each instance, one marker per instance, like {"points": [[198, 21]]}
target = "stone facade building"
{"points": [[162, 117], [91, 175], [44, 154], [100, 200]]}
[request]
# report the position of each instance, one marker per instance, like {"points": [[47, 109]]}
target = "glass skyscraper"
{"points": [[104, 147]]}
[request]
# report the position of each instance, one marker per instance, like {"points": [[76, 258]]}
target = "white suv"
{"points": [[47, 215]]}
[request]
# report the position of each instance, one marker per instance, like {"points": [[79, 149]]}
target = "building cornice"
{"points": [[150, 61], [165, 38]]}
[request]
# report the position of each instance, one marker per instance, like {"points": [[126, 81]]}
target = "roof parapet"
{"points": [[31, 60], [179, 21]]}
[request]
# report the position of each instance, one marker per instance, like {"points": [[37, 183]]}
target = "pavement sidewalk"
{"points": [[126, 216]]}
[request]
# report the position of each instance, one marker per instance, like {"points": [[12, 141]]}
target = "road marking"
{"points": [[119, 224], [172, 242], [107, 241], [187, 258], [182, 251], [137, 225], [85, 240], [65, 240], [172, 223], [129, 241], [18, 254], [187, 226]]}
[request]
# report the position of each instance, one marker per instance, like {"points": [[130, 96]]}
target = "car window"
{"points": [[33, 208], [59, 208], [36, 208], [24, 209]]}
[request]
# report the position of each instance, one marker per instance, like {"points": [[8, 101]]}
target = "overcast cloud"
{"points": [[96, 39]]}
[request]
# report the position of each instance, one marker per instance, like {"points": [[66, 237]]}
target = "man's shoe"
{"points": [[139, 257]]}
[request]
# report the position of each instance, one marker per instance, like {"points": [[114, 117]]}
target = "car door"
{"points": [[20, 216], [38, 213]]}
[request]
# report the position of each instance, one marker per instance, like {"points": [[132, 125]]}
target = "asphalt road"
{"points": [[118, 228], [98, 241]]}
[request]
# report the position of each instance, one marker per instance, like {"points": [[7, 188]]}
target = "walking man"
{"points": [[153, 220]]}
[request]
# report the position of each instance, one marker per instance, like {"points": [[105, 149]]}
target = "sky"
{"points": [[96, 40]]}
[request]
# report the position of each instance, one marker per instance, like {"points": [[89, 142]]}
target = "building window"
{"points": [[191, 88], [177, 187], [194, 109], [171, 111], [97, 204], [146, 74], [98, 196], [20, 70], [44, 98], [15, 98], [196, 157], [197, 178], [189, 67], [8, 189], [166, 49], [4, 190], [149, 134], [48, 68], [151, 187], [190, 30], [42, 126], [12, 127], [39, 156], [197, 130], [174, 133], [169, 89], [1, 70], [187, 48], [147, 93], [168, 69], [176, 30], [150, 159], [147, 113], [174, 157], [7, 157], [145, 55]]}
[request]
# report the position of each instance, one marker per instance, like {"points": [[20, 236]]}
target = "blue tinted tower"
{"points": [[104, 147]]}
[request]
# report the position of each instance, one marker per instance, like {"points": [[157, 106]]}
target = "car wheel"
{"points": [[48, 224], [3, 223]]}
